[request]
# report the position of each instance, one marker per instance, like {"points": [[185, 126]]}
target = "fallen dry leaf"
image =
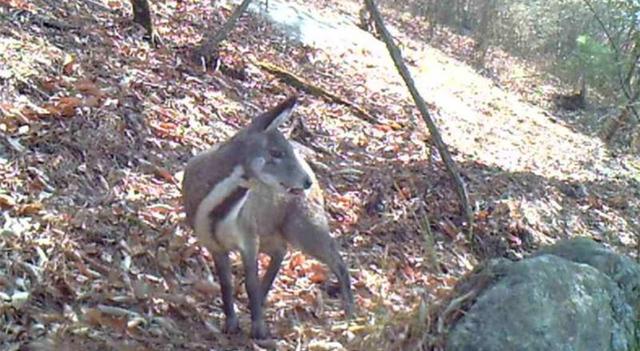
{"points": [[30, 209], [297, 260], [206, 288], [317, 273], [6, 201], [88, 110], [68, 64], [88, 87]]}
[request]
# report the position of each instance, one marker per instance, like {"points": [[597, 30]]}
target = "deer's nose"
{"points": [[307, 183]]}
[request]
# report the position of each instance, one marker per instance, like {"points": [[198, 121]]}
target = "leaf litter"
{"points": [[97, 127]]}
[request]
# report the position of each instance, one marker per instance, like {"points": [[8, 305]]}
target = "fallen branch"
{"points": [[315, 90], [396, 56], [55, 24], [38, 19]]}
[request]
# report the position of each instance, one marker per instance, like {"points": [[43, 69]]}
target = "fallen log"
{"points": [[310, 88]]}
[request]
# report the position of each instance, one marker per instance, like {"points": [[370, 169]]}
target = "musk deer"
{"points": [[254, 193]]}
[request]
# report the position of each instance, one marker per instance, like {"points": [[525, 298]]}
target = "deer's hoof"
{"points": [[231, 326], [348, 310], [259, 330]]}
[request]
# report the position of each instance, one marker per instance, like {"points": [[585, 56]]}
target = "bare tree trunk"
{"points": [[626, 90], [433, 8], [422, 107], [482, 35], [613, 125], [142, 16], [365, 20], [209, 46], [635, 148]]}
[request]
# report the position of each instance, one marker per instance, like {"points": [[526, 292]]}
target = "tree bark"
{"points": [[396, 56], [210, 43], [482, 35]]}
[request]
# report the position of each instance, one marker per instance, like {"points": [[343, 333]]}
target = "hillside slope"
{"points": [[96, 127]]}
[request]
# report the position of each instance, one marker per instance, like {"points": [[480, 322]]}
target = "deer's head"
{"points": [[268, 156]]}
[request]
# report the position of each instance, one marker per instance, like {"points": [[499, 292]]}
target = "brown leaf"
{"points": [[93, 317], [91, 101], [33, 112], [297, 260], [67, 65], [6, 201], [30, 209], [307, 297], [164, 174], [594, 202], [20, 4], [317, 273], [114, 5], [80, 265], [409, 273], [5, 107], [448, 228], [115, 322], [88, 87], [206, 288], [482, 215], [49, 85], [67, 106], [383, 128], [395, 125]]}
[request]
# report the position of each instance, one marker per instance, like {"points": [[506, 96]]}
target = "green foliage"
{"points": [[595, 39], [593, 60]]}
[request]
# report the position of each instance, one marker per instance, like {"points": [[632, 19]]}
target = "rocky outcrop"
{"points": [[575, 295]]}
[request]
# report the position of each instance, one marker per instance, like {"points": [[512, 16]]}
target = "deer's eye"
{"points": [[276, 153]]}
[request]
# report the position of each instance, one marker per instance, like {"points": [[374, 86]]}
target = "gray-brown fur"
{"points": [[283, 204], [202, 179]]}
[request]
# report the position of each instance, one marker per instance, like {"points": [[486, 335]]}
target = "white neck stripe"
{"points": [[219, 192]]}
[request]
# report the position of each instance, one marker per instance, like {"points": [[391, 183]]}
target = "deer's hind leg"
{"points": [[276, 248], [309, 231]]}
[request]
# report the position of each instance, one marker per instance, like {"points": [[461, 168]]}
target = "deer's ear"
{"points": [[273, 118]]}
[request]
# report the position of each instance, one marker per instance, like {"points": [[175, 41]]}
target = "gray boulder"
{"points": [[621, 269], [575, 295]]}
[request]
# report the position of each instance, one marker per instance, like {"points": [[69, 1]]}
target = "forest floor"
{"points": [[96, 127]]}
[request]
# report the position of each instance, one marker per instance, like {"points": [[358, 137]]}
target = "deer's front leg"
{"points": [[254, 291], [223, 268]]}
